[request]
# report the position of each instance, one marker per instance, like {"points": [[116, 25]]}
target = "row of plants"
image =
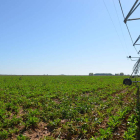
{"points": [[71, 107]]}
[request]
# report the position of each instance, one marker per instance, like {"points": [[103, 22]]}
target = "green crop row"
{"points": [[68, 107]]}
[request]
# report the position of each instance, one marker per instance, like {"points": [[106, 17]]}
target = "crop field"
{"points": [[67, 107]]}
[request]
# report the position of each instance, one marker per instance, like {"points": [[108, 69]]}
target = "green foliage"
{"points": [[3, 134], [31, 122], [79, 105], [21, 137], [132, 130]]}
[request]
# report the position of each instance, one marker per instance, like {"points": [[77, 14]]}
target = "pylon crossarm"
{"points": [[134, 7], [133, 19], [136, 41], [133, 57]]}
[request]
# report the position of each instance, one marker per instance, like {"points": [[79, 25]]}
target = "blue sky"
{"points": [[72, 37]]}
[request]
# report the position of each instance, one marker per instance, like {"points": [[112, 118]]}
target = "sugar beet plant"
{"points": [[67, 107]]}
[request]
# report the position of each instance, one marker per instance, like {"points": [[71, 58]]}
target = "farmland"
{"points": [[67, 107]]}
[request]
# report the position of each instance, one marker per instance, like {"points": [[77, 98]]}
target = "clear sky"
{"points": [[72, 37]]}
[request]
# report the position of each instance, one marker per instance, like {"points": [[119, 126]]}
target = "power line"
{"points": [[129, 33], [110, 16], [120, 26], [112, 21], [121, 9], [131, 37]]}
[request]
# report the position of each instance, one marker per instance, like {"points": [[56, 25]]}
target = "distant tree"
{"points": [[121, 73], [90, 74]]}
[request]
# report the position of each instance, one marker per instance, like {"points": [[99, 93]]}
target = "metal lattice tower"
{"points": [[136, 67]]}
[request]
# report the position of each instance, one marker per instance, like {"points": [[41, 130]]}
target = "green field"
{"points": [[67, 107]]}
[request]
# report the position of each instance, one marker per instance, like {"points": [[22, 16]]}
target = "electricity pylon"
{"points": [[136, 67]]}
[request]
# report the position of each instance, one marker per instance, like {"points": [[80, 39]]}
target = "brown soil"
{"points": [[41, 130], [56, 101], [119, 131]]}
